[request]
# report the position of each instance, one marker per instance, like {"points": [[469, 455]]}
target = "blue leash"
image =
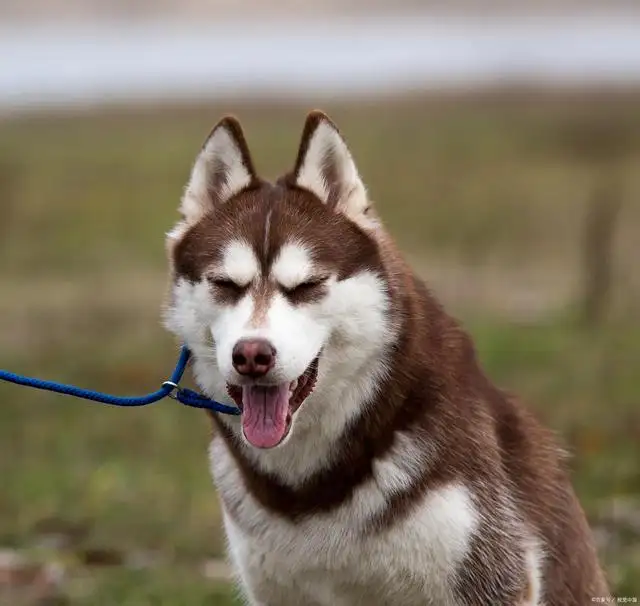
{"points": [[170, 388]]}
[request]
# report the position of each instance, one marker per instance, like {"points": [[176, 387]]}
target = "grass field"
{"points": [[488, 195]]}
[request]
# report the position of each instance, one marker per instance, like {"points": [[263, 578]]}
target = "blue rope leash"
{"points": [[170, 388]]}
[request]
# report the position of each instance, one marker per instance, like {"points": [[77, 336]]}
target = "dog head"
{"points": [[279, 288]]}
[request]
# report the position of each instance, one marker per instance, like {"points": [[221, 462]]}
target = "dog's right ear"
{"points": [[222, 169], [326, 167]]}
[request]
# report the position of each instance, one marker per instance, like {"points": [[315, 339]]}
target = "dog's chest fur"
{"points": [[332, 559]]}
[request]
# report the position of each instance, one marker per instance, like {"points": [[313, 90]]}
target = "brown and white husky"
{"points": [[374, 463]]}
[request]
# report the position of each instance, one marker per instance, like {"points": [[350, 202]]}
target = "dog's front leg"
{"points": [[262, 582]]}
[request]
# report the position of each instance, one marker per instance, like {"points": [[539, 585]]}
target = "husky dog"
{"points": [[373, 463]]}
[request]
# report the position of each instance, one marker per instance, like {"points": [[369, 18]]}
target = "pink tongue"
{"points": [[264, 413]]}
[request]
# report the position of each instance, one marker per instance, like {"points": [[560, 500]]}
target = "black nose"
{"points": [[253, 357]]}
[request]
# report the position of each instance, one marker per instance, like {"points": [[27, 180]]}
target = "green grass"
{"points": [[489, 190], [160, 588]]}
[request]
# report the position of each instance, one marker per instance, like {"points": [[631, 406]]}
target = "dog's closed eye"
{"points": [[305, 290], [227, 286]]}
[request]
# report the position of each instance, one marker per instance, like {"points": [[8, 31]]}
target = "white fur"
{"points": [[534, 557], [221, 152], [176, 233], [328, 559], [239, 263], [292, 266], [409, 459]]}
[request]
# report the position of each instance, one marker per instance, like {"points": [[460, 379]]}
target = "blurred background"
{"points": [[501, 142]]}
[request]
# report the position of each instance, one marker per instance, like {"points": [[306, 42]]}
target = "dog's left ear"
{"points": [[325, 167]]}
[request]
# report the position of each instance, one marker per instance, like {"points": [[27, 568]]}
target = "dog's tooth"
{"points": [[293, 385]]}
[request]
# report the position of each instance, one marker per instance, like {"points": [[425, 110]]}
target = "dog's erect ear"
{"points": [[222, 169], [325, 167]]}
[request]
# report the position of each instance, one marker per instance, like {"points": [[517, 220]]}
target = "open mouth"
{"points": [[267, 410]]}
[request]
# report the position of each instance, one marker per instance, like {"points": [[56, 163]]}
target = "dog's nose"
{"points": [[253, 357]]}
